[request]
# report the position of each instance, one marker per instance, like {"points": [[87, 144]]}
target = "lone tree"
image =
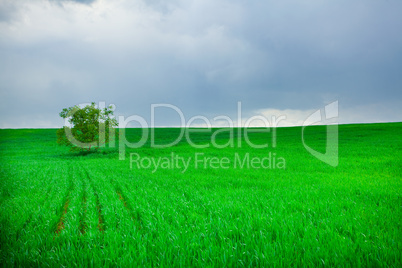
{"points": [[91, 127]]}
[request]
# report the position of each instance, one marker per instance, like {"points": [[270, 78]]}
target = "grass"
{"points": [[63, 209]]}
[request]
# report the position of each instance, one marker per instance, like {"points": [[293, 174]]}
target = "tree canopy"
{"points": [[91, 127]]}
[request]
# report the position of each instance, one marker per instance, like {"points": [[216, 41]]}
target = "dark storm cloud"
{"points": [[202, 56]]}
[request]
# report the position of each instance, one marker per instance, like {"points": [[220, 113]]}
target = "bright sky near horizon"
{"points": [[202, 56]]}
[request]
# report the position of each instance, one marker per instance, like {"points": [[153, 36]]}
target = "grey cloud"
{"points": [[162, 6], [77, 1], [202, 56], [8, 11]]}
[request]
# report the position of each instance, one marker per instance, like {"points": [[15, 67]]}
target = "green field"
{"points": [[64, 209]]}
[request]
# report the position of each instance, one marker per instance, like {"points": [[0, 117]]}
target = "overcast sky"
{"points": [[203, 56]]}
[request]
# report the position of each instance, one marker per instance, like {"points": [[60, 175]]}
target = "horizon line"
{"points": [[199, 127]]}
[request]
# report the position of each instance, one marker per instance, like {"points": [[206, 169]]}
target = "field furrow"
{"points": [[64, 208], [101, 221], [83, 210]]}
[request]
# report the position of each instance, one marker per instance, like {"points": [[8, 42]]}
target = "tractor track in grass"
{"points": [[135, 216], [66, 201], [83, 214], [60, 224], [101, 221]]}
